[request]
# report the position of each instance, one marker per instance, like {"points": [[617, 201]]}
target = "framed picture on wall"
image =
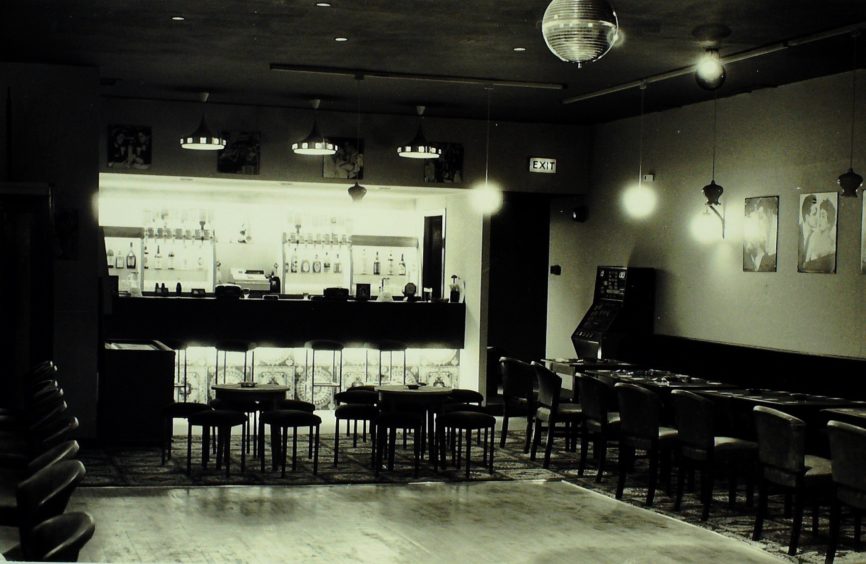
{"points": [[448, 167], [347, 162], [817, 235], [863, 236], [129, 146], [241, 154], [760, 231]]}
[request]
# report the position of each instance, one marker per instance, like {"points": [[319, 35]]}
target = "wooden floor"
{"points": [[520, 521]]}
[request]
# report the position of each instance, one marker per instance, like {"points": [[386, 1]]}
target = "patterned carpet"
{"points": [[135, 467]]}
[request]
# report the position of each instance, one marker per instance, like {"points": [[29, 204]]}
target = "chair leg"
{"points": [[418, 447], [337, 444], [528, 434], [392, 446], [536, 440], [835, 522], [492, 441], [653, 475], [797, 524], [261, 440], [584, 447], [548, 448], [504, 427], [468, 450], [623, 469], [762, 510], [707, 479], [602, 456], [284, 451], [188, 448], [316, 453], [294, 448], [681, 482], [166, 439]]}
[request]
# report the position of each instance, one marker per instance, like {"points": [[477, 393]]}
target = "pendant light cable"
{"points": [[358, 79], [640, 140], [487, 141], [854, 36], [715, 120]]}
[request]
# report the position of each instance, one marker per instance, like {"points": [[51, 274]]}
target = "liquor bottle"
{"points": [[326, 264], [402, 265], [119, 261], [145, 261], [305, 265], [338, 265], [363, 269], [110, 258], [130, 258], [170, 264], [157, 259], [376, 267], [317, 264], [390, 264], [293, 264]]}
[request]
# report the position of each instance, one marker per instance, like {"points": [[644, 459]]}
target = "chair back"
{"points": [[46, 494], [639, 411], [848, 453], [518, 378], [549, 387], [63, 451], [694, 417], [781, 445], [595, 399], [60, 538]]}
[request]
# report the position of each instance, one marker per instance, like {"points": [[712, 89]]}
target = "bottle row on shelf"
{"points": [[315, 260], [167, 255]]}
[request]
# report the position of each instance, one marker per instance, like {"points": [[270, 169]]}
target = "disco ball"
{"points": [[579, 31]]}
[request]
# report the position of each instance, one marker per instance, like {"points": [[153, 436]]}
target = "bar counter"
{"points": [[285, 322]]}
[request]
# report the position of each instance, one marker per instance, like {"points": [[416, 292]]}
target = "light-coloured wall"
{"points": [[784, 141], [55, 125]]}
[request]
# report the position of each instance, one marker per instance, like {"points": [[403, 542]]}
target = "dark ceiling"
{"points": [[227, 47]]}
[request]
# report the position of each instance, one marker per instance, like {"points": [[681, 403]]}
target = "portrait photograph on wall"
{"points": [[760, 231], [863, 237], [129, 146], [241, 154], [817, 234], [448, 168], [347, 162]]}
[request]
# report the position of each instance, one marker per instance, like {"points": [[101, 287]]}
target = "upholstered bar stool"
{"points": [[388, 347], [318, 346], [285, 419], [221, 420], [464, 422], [179, 410], [228, 346]]}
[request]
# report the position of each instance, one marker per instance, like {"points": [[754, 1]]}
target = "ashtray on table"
{"points": [[248, 384]]}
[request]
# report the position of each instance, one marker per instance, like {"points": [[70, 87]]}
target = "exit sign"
{"points": [[542, 165]]}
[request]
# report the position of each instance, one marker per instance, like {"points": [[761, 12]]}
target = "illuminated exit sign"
{"points": [[542, 165]]}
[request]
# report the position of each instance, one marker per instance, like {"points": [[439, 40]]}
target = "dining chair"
{"points": [[46, 494], [518, 381], [600, 421], [785, 464], [701, 448], [354, 405], [549, 411], [640, 428], [59, 538], [848, 456]]}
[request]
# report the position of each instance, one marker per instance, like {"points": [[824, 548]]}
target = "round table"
{"points": [[430, 398], [265, 393]]}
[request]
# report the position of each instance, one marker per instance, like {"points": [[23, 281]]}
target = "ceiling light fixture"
{"points": [[178, 18], [579, 31], [851, 181], [356, 191], [638, 200], [202, 139], [713, 191], [323, 4], [710, 73], [487, 197], [419, 148], [315, 143], [341, 39], [519, 49]]}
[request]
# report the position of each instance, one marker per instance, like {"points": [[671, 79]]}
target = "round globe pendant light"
{"points": [[203, 139], [579, 31], [710, 73], [419, 147], [314, 144]]}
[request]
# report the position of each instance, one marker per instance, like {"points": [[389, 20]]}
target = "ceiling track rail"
{"points": [[734, 58]]}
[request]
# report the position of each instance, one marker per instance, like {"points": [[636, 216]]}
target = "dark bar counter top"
{"points": [[285, 322]]}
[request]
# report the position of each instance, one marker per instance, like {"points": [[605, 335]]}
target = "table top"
{"points": [[258, 388], [404, 389], [660, 379], [773, 398]]}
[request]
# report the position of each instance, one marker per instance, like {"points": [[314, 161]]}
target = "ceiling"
{"points": [[227, 47]]}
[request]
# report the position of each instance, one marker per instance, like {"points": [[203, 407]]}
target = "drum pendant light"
{"points": [[356, 191], [419, 148], [579, 31], [314, 144], [202, 139], [850, 181]]}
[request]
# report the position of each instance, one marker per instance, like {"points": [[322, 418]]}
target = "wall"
{"points": [[785, 141], [55, 125]]}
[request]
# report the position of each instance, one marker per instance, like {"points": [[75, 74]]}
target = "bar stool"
{"points": [[179, 383], [179, 410], [389, 347], [285, 419], [222, 420], [310, 350], [228, 346]]}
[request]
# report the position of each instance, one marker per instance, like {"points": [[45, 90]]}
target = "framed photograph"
{"points": [[448, 168], [863, 236], [347, 162], [818, 220], [241, 154], [760, 231], [129, 146]]}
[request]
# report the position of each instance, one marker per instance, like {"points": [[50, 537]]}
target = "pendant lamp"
{"points": [[713, 191], [579, 31], [202, 139], [487, 197], [356, 191], [314, 144], [850, 181], [419, 148]]}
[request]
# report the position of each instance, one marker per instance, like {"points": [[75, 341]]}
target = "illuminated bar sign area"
{"points": [[542, 165]]}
